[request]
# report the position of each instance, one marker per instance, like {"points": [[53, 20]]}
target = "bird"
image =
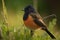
{"points": [[34, 21]]}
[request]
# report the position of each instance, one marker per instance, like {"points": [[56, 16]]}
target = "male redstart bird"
{"points": [[33, 20]]}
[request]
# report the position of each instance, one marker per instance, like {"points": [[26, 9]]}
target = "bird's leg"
{"points": [[31, 32], [53, 15]]}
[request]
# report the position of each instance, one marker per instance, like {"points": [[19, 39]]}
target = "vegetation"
{"points": [[19, 30]]}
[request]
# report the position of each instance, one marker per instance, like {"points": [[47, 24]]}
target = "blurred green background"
{"points": [[45, 7], [13, 13]]}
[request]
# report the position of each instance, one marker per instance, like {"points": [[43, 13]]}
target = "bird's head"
{"points": [[29, 9]]}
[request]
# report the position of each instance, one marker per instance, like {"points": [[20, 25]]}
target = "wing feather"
{"points": [[38, 20]]}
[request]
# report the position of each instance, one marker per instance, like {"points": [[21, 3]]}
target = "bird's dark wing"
{"points": [[37, 15], [40, 23], [38, 20]]}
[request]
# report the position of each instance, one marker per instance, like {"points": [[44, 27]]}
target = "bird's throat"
{"points": [[25, 16]]}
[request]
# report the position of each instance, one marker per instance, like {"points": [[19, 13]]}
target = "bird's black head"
{"points": [[29, 9]]}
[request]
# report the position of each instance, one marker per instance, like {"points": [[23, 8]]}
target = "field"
{"points": [[13, 28], [20, 32]]}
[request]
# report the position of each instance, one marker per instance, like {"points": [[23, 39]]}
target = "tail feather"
{"points": [[51, 35]]}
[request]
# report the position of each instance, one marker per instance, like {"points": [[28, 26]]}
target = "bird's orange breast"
{"points": [[30, 23]]}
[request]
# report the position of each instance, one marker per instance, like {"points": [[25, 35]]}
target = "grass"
{"points": [[20, 32]]}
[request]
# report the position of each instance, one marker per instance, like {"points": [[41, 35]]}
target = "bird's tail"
{"points": [[51, 35]]}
